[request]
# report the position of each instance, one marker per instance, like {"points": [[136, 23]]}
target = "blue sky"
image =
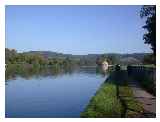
{"points": [[75, 29]]}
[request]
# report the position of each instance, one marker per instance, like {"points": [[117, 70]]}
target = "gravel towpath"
{"points": [[148, 100]]}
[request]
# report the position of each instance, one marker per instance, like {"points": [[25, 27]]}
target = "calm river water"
{"points": [[61, 95]]}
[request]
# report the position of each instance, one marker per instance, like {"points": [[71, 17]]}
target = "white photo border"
{"points": [[3, 3]]}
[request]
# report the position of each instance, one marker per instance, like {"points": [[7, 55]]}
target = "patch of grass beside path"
{"points": [[113, 100], [104, 103], [147, 65]]}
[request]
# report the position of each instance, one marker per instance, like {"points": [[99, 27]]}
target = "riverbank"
{"points": [[114, 99]]}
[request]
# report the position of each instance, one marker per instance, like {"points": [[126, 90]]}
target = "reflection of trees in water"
{"points": [[29, 71]]}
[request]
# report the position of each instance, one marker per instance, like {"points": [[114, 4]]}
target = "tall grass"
{"points": [[114, 99], [104, 103]]}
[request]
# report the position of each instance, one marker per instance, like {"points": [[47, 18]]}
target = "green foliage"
{"points": [[147, 83], [114, 99], [149, 59], [133, 107], [10, 53], [104, 103], [149, 12], [51, 58], [111, 59], [31, 64], [37, 60], [145, 75]]}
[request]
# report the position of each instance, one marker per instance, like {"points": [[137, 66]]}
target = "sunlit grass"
{"points": [[113, 100], [104, 103]]}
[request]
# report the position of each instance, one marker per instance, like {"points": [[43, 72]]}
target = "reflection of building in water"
{"points": [[104, 65]]}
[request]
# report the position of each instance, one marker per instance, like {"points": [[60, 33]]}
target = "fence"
{"points": [[145, 75], [140, 71]]}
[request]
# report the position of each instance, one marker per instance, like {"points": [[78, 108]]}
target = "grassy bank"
{"points": [[113, 99], [104, 103]]}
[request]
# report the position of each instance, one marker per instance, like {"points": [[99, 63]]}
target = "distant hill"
{"points": [[122, 58], [47, 54]]}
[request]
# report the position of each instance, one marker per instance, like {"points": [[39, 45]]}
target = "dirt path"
{"points": [[148, 100]]}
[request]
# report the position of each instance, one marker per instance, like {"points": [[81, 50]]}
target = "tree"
{"points": [[112, 59], [10, 54], [100, 59], [149, 59], [149, 12]]}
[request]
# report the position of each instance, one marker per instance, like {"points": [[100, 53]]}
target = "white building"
{"points": [[104, 65]]}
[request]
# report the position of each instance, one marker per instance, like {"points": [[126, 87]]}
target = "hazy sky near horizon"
{"points": [[75, 29]]}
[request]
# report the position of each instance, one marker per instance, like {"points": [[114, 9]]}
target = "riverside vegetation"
{"points": [[34, 61], [114, 99]]}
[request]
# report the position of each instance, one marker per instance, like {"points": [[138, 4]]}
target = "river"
{"points": [[48, 95]]}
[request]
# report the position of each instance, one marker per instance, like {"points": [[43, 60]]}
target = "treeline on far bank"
{"points": [[30, 64], [12, 57], [46, 58]]}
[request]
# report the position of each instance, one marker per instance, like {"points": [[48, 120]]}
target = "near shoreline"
{"points": [[115, 99]]}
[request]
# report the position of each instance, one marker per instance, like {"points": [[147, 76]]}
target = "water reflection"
{"points": [[29, 72], [44, 92]]}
